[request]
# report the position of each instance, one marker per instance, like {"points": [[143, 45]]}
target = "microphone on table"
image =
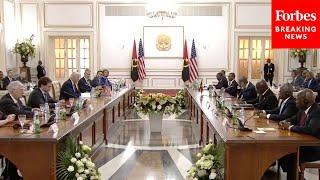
{"points": [[51, 119], [241, 126]]}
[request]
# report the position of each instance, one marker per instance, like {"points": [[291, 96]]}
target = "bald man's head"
{"points": [[261, 86], [243, 81]]}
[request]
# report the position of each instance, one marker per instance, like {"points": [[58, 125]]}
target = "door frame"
{"points": [[50, 56], [236, 45]]}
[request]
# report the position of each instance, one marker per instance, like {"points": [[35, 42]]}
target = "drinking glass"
{"points": [[42, 107], [22, 119], [71, 101]]}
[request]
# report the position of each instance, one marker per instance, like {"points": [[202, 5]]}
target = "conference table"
{"points": [[35, 154], [247, 154]]}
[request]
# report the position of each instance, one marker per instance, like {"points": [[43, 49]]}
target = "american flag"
{"points": [[141, 66], [193, 64]]}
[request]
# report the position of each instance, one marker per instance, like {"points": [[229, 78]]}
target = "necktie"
{"points": [[20, 105], [74, 88], [45, 97], [309, 83], [303, 119], [88, 83], [281, 107]]}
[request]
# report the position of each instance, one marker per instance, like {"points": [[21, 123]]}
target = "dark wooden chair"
{"points": [[312, 165]]}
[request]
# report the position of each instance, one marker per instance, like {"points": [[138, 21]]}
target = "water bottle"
{"points": [[46, 113], [57, 111], [242, 114], [36, 122]]}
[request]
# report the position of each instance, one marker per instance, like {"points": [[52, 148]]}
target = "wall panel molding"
{"points": [[245, 11], [71, 14]]}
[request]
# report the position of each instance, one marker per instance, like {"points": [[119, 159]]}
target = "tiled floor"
{"points": [[134, 153]]}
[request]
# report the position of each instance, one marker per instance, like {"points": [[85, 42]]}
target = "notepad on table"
{"points": [[260, 132], [266, 129]]}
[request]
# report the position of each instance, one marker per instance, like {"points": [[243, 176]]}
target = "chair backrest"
{"points": [[56, 90]]}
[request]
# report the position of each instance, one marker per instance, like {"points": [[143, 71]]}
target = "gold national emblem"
{"points": [[163, 42]]}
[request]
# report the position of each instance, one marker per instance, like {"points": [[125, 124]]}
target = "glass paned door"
{"points": [[72, 54], [252, 53]]}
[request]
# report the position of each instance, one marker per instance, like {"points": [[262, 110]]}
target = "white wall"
{"points": [[10, 33], [211, 39], [112, 36]]}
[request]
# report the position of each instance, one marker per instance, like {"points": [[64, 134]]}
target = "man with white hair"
{"points": [[69, 88], [11, 103]]}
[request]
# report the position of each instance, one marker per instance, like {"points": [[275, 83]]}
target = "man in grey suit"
{"points": [[297, 79]]}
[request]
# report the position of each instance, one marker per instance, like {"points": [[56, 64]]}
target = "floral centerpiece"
{"points": [[181, 98], [209, 164], [155, 105], [101, 91], [25, 49], [157, 102], [301, 54], [75, 163]]}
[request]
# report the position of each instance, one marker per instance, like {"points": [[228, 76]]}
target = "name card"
{"points": [[75, 116], [54, 128], [85, 95]]}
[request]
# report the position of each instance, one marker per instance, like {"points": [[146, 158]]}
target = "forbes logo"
{"points": [[281, 15]]}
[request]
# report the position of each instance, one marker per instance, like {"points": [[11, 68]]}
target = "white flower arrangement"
{"points": [[156, 102], [75, 163], [209, 164]]}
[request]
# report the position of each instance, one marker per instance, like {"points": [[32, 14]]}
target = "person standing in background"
{"points": [[41, 71], [268, 71]]}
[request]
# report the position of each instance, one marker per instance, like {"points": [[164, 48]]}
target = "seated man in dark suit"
{"points": [[232, 88], [1, 81], [307, 122], [297, 80], [318, 88], [304, 76], [22, 77], [9, 78], [287, 108], [97, 80], [41, 94], [69, 88], [222, 81], [266, 99], [11, 103], [104, 79], [311, 82], [84, 83], [248, 90]]}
